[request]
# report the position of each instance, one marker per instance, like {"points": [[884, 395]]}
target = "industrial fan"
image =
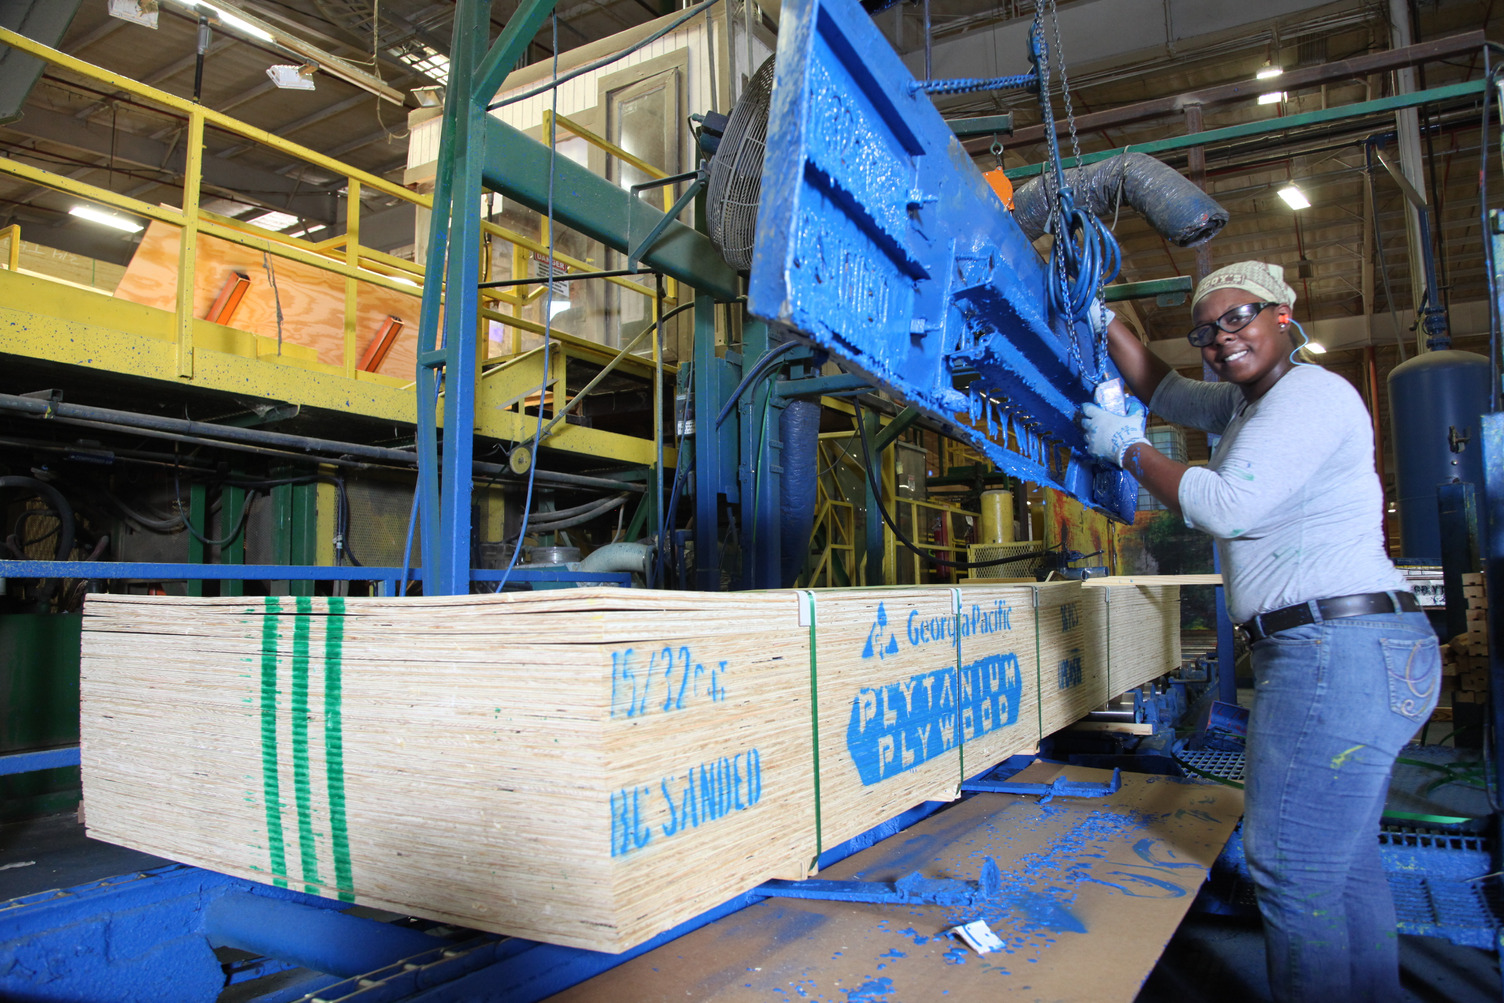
{"points": [[735, 183]]}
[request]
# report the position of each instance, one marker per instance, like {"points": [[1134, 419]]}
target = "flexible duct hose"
{"points": [[59, 505], [55, 501], [548, 522], [1183, 213], [799, 428], [633, 557]]}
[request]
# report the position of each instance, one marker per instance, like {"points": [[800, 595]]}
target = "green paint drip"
{"points": [[1341, 759], [307, 851], [271, 788], [334, 746]]}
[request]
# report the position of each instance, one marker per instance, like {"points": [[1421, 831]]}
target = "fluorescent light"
{"points": [[1268, 72], [94, 215], [1294, 197], [232, 21], [1315, 348], [1273, 97]]}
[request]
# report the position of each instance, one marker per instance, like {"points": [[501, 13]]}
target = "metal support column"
{"points": [[198, 516], [231, 507], [713, 446]]}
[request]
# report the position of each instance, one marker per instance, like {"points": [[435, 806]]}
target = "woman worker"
{"points": [[1345, 666]]}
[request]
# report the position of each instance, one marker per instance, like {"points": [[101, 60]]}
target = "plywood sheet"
{"points": [[1092, 891], [312, 300]]}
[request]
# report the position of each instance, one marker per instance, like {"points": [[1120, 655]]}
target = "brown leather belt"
{"points": [[1335, 608]]}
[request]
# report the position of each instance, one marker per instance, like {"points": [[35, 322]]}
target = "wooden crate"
{"points": [[586, 767]]}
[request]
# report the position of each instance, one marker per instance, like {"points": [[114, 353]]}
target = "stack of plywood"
{"points": [[1142, 633], [586, 767], [1465, 657]]}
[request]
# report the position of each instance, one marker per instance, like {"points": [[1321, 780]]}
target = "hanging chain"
{"points": [[1097, 323], [1053, 178], [1065, 87]]}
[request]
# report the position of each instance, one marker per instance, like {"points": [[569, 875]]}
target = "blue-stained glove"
{"points": [[1109, 435]]}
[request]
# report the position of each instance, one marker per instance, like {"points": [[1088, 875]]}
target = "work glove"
{"points": [[1109, 435]]}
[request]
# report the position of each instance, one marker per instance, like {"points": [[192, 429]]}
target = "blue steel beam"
{"points": [[111, 571], [879, 241], [42, 759], [454, 252]]}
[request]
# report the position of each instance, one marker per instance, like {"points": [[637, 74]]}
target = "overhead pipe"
{"points": [[1172, 204], [210, 434]]}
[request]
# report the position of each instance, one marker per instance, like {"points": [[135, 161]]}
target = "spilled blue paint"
{"points": [[871, 992]]}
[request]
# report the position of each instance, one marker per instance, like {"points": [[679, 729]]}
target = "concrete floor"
{"points": [[1214, 958], [1211, 958]]}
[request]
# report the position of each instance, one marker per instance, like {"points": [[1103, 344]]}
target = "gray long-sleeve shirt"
{"points": [[1290, 494]]}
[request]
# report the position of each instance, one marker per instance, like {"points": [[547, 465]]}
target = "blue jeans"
{"points": [[1334, 702]]}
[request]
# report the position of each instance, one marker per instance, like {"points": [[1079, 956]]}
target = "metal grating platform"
{"points": [[1223, 765]]}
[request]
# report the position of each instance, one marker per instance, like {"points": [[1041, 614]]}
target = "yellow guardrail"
{"points": [[949, 544], [341, 255]]}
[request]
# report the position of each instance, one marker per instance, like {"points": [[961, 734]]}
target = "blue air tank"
{"points": [[1429, 396]]}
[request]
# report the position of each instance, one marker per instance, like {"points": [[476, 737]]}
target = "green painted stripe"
{"points": [[334, 746], [307, 851], [271, 788]]}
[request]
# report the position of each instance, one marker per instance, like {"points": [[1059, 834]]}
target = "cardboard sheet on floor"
{"points": [[1092, 891]]}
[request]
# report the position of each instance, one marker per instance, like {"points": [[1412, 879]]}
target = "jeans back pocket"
{"points": [[1414, 671]]}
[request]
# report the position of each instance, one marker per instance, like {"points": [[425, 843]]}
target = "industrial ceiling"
{"points": [[1349, 263]]}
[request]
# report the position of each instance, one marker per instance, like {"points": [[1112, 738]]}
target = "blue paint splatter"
{"points": [[871, 992], [893, 952], [955, 956]]}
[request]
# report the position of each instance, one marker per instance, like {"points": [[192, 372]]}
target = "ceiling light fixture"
{"points": [[292, 78], [1294, 197], [1267, 72], [1273, 97], [1315, 348], [273, 220], [103, 218], [142, 12], [248, 26]]}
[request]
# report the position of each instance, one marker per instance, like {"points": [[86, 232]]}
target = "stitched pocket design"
{"points": [[1414, 670]]}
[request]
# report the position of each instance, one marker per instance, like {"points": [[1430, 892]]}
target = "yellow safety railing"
{"points": [[835, 535], [12, 235], [949, 543], [342, 254]]}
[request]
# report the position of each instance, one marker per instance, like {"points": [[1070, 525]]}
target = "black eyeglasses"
{"points": [[1232, 322]]}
